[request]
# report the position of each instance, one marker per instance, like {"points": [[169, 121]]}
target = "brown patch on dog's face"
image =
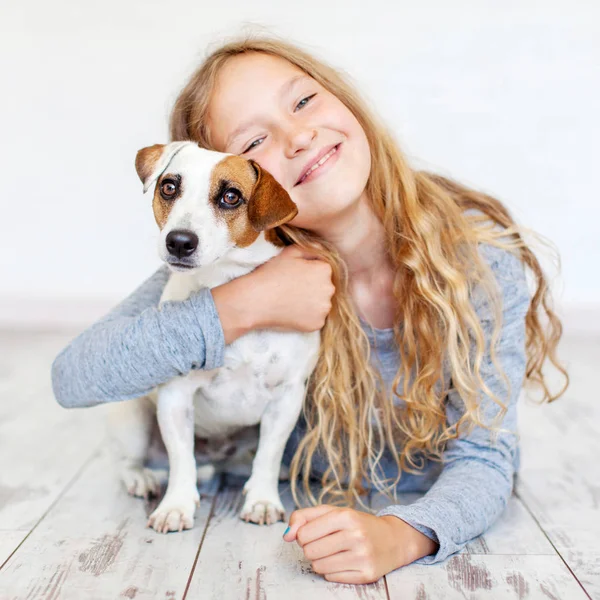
{"points": [[145, 163], [266, 204], [163, 201], [234, 172]]}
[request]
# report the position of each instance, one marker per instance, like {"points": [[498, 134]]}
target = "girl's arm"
{"points": [[136, 346], [477, 478]]}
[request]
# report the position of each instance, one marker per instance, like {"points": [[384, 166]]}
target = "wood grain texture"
{"points": [[42, 446], [559, 481], [487, 576], [82, 536], [9, 541], [95, 539]]}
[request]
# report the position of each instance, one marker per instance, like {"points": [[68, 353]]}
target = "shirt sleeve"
{"points": [[138, 345], [476, 480]]}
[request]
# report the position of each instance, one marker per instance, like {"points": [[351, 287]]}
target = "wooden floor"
{"points": [[69, 530]]}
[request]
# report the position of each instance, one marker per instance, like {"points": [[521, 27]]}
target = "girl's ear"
{"points": [[270, 205], [150, 162]]}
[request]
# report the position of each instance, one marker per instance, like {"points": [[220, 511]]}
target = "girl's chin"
{"points": [[315, 218]]}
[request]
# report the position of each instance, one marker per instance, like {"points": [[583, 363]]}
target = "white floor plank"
{"points": [[493, 577], [560, 479], [42, 445], [95, 539], [92, 541], [9, 540], [255, 562]]}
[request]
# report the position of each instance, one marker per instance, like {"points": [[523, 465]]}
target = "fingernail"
{"points": [[286, 531]]}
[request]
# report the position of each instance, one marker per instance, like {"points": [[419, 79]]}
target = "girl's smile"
{"points": [[320, 165]]}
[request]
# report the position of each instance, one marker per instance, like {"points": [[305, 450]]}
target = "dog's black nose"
{"points": [[181, 243]]}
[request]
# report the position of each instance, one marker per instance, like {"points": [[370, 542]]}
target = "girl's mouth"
{"points": [[322, 166]]}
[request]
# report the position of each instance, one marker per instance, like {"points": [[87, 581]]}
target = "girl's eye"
{"points": [[303, 99], [252, 145], [300, 104]]}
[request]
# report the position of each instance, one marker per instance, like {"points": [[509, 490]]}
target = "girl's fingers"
{"points": [[340, 562], [327, 546], [304, 515], [355, 577]]}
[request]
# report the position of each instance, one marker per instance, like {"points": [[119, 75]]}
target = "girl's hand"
{"points": [[291, 291], [349, 546]]}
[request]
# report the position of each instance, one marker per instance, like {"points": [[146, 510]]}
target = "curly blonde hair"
{"points": [[433, 242]]}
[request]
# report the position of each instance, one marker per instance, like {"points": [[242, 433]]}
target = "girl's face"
{"points": [[266, 109]]}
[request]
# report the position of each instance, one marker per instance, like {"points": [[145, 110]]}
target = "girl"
{"points": [[428, 339]]}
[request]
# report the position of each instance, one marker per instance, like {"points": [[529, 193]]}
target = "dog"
{"points": [[217, 215]]}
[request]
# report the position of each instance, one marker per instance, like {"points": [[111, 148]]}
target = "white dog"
{"points": [[216, 213]]}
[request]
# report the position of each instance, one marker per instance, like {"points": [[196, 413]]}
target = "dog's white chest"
{"points": [[260, 368]]}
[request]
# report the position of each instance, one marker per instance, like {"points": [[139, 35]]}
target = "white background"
{"points": [[503, 96]]}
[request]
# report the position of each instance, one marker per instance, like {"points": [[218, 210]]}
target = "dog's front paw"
{"points": [[140, 481], [175, 512], [261, 506]]}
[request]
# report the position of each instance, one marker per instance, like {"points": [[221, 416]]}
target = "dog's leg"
{"points": [[175, 413], [129, 429], [262, 504]]}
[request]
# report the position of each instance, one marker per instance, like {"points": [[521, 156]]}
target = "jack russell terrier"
{"points": [[216, 213]]}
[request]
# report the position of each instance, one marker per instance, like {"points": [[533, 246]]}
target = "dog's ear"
{"points": [[270, 205], [150, 162]]}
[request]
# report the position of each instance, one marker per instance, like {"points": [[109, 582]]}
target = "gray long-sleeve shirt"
{"points": [[136, 346]]}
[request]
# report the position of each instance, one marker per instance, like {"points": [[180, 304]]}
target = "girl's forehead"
{"points": [[251, 64], [245, 86]]}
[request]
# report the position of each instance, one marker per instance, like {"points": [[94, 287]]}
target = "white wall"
{"points": [[503, 96]]}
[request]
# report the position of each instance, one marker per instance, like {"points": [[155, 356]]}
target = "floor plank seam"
{"points": [[551, 543], [67, 487], [387, 591], [210, 515]]}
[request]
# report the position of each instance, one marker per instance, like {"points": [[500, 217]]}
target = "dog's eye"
{"points": [[168, 188], [231, 198]]}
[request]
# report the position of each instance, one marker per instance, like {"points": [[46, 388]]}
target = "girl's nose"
{"points": [[300, 138]]}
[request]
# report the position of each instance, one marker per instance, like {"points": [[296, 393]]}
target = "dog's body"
{"points": [[265, 373], [259, 368]]}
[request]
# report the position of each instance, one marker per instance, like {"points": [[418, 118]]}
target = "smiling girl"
{"points": [[426, 342]]}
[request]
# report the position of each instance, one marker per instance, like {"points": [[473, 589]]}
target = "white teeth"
{"points": [[318, 164]]}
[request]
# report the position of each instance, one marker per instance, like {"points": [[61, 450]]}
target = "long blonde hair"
{"points": [[433, 243]]}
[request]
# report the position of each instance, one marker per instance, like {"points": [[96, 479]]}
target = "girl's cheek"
{"points": [[269, 162]]}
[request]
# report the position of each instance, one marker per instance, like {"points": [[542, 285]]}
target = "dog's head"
{"points": [[208, 203]]}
